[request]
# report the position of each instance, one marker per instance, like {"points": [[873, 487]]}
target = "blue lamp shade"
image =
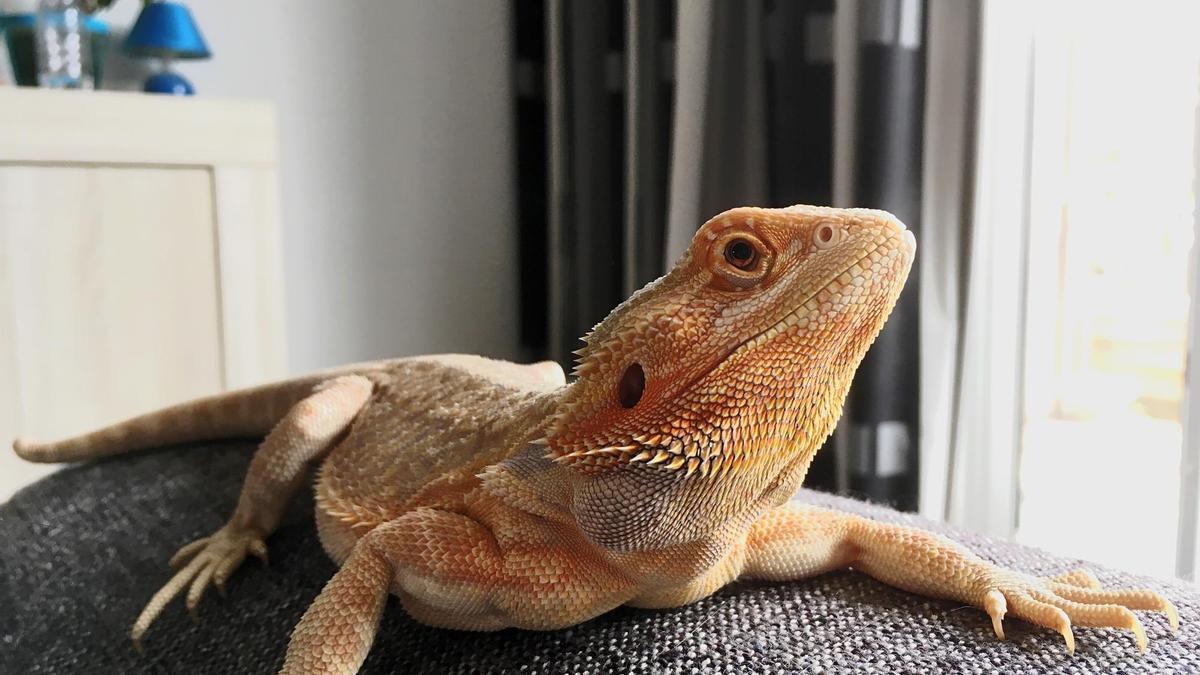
{"points": [[167, 30]]}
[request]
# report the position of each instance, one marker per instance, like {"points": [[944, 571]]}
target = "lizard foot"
{"points": [[1074, 598], [212, 560]]}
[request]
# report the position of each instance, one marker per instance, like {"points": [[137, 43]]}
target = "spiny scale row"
{"points": [[672, 458]]}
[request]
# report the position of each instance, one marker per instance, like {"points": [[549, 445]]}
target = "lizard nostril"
{"points": [[631, 386]]}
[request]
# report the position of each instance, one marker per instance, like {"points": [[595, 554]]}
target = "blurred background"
{"points": [[314, 184]]}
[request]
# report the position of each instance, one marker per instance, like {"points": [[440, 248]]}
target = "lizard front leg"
{"points": [[796, 541], [276, 473], [450, 571]]}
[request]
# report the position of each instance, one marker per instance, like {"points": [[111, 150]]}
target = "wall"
{"points": [[396, 137]]}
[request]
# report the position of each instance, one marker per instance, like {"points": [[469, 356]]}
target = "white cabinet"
{"points": [[139, 258]]}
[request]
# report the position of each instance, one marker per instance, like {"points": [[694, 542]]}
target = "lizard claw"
{"points": [[1068, 636], [996, 607]]}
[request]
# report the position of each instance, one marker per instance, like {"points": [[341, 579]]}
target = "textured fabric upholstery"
{"points": [[82, 551]]}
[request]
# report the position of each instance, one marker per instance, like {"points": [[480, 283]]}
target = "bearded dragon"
{"points": [[487, 494]]}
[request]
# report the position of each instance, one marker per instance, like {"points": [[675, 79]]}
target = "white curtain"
{"points": [[977, 386]]}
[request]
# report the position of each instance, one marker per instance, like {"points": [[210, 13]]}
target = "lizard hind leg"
{"points": [[277, 471]]}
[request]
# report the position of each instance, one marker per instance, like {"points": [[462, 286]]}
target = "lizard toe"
{"points": [[1131, 598], [1067, 600], [187, 552], [1078, 577]]}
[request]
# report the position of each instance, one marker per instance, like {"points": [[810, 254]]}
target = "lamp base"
{"points": [[168, 82]]}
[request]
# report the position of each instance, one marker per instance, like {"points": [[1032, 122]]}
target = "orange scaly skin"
{"points": [[487, 494]]}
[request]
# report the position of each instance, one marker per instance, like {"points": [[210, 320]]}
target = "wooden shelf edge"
{"points": [[39, 125]]}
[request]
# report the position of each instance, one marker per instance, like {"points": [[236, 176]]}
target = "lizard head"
{"points": [[739, 359]]}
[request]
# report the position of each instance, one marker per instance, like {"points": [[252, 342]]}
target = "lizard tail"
{"points": [[245, 413]]}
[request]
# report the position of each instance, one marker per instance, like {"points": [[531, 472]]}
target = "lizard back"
{"points": [[432, 422]]}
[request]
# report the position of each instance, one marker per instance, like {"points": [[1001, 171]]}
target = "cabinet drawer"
{"points": [[110, 293]]}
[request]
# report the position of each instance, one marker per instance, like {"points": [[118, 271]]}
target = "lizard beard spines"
{"points": [[702, 457]]}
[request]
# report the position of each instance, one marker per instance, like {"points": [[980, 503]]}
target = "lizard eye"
{"points": [[739, 260], [631, 386], [741, 254]]}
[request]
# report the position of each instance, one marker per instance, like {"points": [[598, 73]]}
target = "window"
{"points": [[1111, 223]]}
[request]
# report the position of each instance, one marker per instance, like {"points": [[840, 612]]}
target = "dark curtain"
{"points": [[595, 95], [889, 124], [613, 180]]}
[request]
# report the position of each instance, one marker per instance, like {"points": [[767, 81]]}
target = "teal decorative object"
{"points": [[18, 31]]}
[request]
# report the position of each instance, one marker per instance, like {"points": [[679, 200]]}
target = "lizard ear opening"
{"points": [[631, 386]]}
